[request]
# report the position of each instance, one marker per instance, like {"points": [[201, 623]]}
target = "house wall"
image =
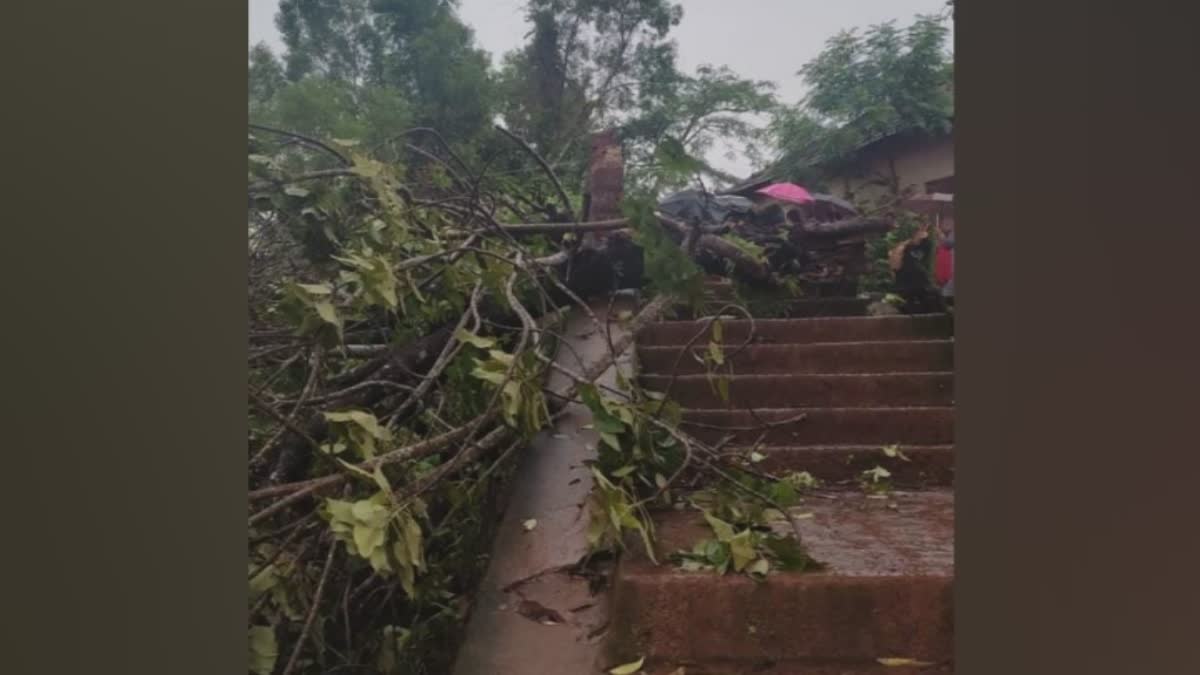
{"points": [[915, 164]]}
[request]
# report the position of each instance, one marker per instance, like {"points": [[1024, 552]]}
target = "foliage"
{"points": [[418, 49], [741, 522], [585, 65], [879, 276], [641, 459], [592, 64], [342, 269], [864, 86], [667, 270], [681, 118]]}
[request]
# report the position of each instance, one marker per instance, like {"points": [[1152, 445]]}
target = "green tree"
{"points": [[266, 77], [585, 64], [590, 64], [865, 86], [680, 120], [415, 49]]}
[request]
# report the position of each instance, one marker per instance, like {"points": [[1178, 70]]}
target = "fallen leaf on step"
{"points": [[536, 611], [894, 662], [529, 524], [628, 668]]}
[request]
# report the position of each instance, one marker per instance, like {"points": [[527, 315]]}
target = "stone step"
{"points": [[933, 425], [838, 390], [809, 307], [800, 331], [915, 466], [768, 668], [886, 591], [908, 356]]}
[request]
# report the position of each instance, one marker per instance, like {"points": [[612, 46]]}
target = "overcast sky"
{"points": [[758, 39]]}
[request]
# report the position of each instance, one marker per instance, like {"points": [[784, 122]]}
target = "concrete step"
{"points": [[839, 390], [908, 356], [916, 466], [886, 591], [824, 426], [800, 331]]}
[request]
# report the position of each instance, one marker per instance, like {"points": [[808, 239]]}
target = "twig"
{"points": [[312, 611], [562, 194], [305, 140]]}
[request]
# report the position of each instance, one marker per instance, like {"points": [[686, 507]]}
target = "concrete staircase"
{"points": [[886, 591]]}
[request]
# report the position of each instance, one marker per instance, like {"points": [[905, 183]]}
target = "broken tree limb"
{"points": [[851, 227], [743, 264], [562, 228]]}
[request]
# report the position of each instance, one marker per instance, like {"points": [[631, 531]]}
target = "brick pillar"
{"points": [[606, 178]]}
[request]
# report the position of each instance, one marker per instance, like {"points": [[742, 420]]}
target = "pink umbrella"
{"points": [[787, 192]]}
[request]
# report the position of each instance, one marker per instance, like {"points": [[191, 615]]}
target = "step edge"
{"points": [[792, 345]]}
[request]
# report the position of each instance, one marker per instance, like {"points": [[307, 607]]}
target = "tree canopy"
{"points": [[369, 69], [864, 86]]}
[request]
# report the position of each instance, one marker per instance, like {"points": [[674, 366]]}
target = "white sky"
{"points": [[758, 39]]}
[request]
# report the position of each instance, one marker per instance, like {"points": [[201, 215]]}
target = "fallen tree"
{"points": [[403, 320]]}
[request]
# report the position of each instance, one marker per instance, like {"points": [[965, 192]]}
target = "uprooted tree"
{"points": [[403, 319]]}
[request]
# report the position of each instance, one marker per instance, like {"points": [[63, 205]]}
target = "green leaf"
{"points": [[264, 581], [722, 529], [335, 448], [609, 425], [788, 553], [381, 480], [474, 340], [264, 651], [328, 313], [414, 539], [340, 510], [877, 474], [718, 332], [628, 668], [741, 548], [715, 354], [624, 471], [760, 568], [356, 469], [611, 441], [783, 492], [364, 420], [502, 357], [369, 513], [295, 191], [367, 539], [316, 289]]}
